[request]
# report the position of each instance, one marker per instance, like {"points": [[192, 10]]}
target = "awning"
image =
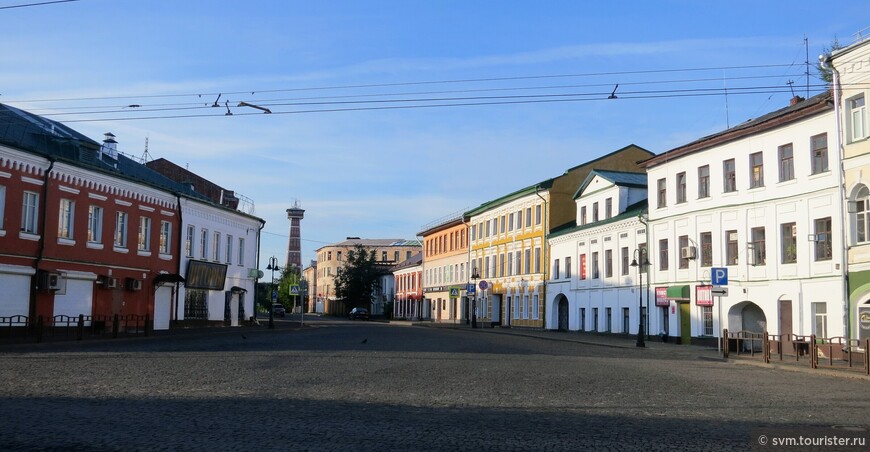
{"points": [[237, 289], [170, 278], [679, 293]]}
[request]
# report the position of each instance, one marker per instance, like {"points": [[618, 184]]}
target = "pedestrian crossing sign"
{"points": [[454, 292], [294, 290]]}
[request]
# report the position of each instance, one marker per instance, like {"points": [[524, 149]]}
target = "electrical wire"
{"points": [[27, 5]]}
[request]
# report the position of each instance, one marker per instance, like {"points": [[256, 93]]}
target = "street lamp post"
{"points": [[640, 261], [474, 277], [273, 265]]}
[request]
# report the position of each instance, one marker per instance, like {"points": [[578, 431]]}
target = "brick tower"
{"points": [[294, 245]]}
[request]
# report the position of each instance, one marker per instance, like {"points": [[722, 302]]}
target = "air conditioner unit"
{"points": [[134, 284], [687, 252], [49, 281], [111, 283]]}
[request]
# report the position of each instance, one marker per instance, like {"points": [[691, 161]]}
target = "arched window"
{"points": [[862, 215]]}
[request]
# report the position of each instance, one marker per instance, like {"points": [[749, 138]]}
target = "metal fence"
{"points": [[832, 352], [21, 328]]}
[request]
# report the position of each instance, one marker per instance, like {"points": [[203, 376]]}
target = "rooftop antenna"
{"points": [[790, 84], [146, 157], [613, 93], [807, 73], [228, 113], [216, 104]]}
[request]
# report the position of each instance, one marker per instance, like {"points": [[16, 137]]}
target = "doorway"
{"points": [[685, 323]]}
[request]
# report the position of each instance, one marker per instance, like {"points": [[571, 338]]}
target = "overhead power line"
{"points": [[27, 5]]}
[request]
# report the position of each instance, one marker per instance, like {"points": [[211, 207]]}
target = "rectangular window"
{"points": [[759, 255], [518, 257], [216, 251], [819, 149], [595, 319], [582, 319], [788, 234], [486, 268], [663, 254], [67, 212], [121, 229], [538, 260], [608, 208], [488, 227], [858, 118], [395, 256], [756, 170], [662, 194], [608, 263], [502, 224], [583, 215], [165, 237], [642, 251], [527, 262], [95, 224], [383, 256], [241, 251], [511, 222], [594, 263], [820, 320], [786, 162], [535, 307], [29, 209], [704, 181], [501, 265], [144, 243], [473, 232], [2, 206], [528, 217], [683, 241], [824, 241], [203, 244], [556, 269], [594, 212], [625, 264], [188, 242], [707, 318], [519, 219], [626, 320], [229, 251], [608, 318], [537, 214], [729, 174], [731, 247], [706, 249], [681, 188], [525, 306], [568, 267]]}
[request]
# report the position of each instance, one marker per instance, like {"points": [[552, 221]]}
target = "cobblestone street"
{"points": [[338, 385]]}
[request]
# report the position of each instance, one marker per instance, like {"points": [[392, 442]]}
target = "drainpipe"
{"points": [[545, 260], [41, 250], [180, 235], [825, 61]]}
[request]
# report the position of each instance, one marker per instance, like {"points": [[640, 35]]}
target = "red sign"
{"points": [[583, 266], [662, 296], [704, 295]]}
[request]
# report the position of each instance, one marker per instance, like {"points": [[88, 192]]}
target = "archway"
{"points": [[748, 317], [562, 310]]}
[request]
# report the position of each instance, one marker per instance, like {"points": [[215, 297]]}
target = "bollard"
{"points": [[725, 343], [80, 328]]}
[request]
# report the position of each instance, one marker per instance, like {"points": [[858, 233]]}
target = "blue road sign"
{"points": [[274, 295], [469, 290], [719, 276]]}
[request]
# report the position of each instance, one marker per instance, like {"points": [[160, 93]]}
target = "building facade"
{"points": [[508, 242], [592, 285], [388, 252], [445, 276], [410, 303], [759, 201], [851, 77]]}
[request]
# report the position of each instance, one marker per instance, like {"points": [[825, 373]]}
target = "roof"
{"points": [[817, 104], [53, 140], [377, 243], [412, 261], [456, 221], [632, 211], [620, 178]]}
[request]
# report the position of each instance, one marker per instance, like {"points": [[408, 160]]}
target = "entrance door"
{"points": [[685, 323], [228, 310], [785, 324], [864, 322], [496, 309], [563, 314]]}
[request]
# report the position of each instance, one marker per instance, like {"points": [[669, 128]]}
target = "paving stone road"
{"points": [[339, 385]]}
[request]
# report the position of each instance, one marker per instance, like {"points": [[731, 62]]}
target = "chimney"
{"points": [[796, 100], [109, 148]]}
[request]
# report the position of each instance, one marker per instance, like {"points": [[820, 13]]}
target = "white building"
{"points": [[603, 293], [761, 201]]}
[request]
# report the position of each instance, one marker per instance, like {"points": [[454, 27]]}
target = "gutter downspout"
{"points": [[545, 258], [34, 280], [825, 60], [180, 232]]}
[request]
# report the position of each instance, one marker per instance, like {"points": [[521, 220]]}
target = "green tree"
{"points": [[825, 73], [357, 278]]}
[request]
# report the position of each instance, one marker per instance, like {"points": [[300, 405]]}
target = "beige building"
{"points": [[445, 258], [388, 252], [851, 88], [309, 274]]}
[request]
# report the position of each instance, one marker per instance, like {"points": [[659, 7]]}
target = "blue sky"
{"points": [[384, 173]]}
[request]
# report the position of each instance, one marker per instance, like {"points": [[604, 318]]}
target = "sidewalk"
{"points": [[659, 348]]}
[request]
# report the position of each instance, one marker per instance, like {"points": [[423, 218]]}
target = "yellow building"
{"points": [[508, 246], [851, 86]]}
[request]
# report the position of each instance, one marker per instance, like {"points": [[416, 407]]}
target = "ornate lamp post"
{"points": [[474, 277], [640, 261], [273, 265]]}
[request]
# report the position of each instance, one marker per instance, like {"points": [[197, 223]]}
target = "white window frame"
{"points": [[165, 237], [121, 224], [241, 251], [29, 212], [67, 219], [858, 118], [144, 243], [95, 224], [203, 244]]}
